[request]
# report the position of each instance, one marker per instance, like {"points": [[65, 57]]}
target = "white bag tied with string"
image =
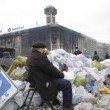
{"points": [[19, 73]]}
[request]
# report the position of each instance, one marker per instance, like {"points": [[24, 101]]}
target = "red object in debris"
{"points": [[65, 67]]}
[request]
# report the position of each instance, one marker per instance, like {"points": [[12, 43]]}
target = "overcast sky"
{"points": [[89, 17]]}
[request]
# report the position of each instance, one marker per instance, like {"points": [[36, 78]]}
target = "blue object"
{"points": [[91, 82], [89, 87], [5, 85], [76, 99]]}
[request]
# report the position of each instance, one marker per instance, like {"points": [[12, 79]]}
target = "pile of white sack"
{"points": [[79, 67]]}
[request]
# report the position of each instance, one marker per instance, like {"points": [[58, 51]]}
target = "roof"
{"points": [[38, 27]]}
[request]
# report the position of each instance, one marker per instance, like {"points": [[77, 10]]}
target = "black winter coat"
{"points": [[107, 56], [96, 57], [77, 52], [42, 73]]}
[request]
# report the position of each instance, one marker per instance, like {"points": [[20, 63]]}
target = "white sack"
{"points": [[106, 63], [20, 84], [36, 100], [98, 108], [83, 106], [11, 105], [89, 98], [19, 98]]}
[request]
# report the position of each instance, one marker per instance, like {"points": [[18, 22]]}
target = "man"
{"points": [[96, 63], [107, 56], [86, 53], [96, 56], [6, 61], [48, 78], [77, 51]]}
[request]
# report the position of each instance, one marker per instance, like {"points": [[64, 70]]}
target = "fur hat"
{"points": [[39, 45]]}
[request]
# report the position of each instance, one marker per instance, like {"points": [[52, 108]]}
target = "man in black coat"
{"points": [[107, 56], [96, 56], [77, 51], [48, 79]]}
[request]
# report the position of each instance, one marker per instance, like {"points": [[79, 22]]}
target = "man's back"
{"points": [[42, 73]]}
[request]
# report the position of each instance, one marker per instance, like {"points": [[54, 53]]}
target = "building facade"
{"points": [[53, 35]]}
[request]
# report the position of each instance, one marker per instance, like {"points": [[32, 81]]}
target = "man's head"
{"points": [[95, 52], [39, 46]]}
